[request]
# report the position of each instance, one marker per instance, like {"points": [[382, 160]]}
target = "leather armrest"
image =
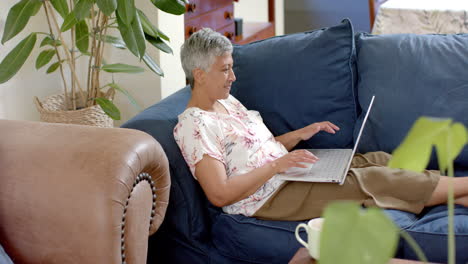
{"points": [[79, 194]]}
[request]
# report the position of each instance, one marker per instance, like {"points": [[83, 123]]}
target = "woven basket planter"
{"points": [[52, 110]]}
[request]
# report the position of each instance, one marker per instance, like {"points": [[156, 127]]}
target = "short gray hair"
{"points": [[201, 49]]}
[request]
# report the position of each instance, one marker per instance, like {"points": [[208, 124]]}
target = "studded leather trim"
{"points": [[141, 177]]}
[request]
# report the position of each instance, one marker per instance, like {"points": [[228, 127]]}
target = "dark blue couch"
{"points": [[294, 80]]}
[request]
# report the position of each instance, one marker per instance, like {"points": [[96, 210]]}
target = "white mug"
{"points": [[312, 229]]}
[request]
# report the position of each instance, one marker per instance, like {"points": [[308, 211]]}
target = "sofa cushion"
{"points": [[4, 258], [252, 240], [411, 76], [295, 80], [429, 229]]}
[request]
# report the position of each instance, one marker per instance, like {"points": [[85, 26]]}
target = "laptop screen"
{"points": [[360, 133]]}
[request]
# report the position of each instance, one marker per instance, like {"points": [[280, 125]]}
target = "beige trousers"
{"points": [[369, 182]]}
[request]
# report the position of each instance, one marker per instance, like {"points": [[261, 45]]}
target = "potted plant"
{"points": [[82, 36]]}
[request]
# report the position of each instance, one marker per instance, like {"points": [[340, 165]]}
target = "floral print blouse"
{"points": [[240, 140]]}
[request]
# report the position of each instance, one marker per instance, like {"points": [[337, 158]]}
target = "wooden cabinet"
{"points": [[219, 15]]}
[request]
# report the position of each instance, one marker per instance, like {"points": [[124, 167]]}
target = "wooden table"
{"points": [[302, 257]]}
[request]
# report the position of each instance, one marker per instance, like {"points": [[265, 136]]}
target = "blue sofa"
{"points": [[294, 80]]}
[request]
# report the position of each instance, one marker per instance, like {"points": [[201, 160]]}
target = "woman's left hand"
{"points": [[307, 132]]}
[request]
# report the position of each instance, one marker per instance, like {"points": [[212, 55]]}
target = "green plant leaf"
{"points": [[139, 35], [108, 107], [107, 6], [175, 7], [163, 36], [415, 150], [44, 57], [120, 67], [114, 41], [82, 36], [159, 43], [118, 43], [133, 36], [61, 6], [363, 236], [126, 10], [50, 41], [69, 21], [449, 143], [36, 7], [127, 36], [148, 27], [127, 94], [153, 65], [16, 58], [18, 17], [83, 9], [53, 67]]}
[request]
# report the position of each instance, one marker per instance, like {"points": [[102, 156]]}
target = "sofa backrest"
{"points": [[411, 76]]}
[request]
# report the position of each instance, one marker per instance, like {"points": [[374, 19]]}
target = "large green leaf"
{"points": [[120, 67], [83, 9], [415, 150], [449, 143], [126, 10], [18, 17], [69, 21], [61, 6], [159, 43], [82, 36], [50, 41], [175, 7], [16, 58], [363, 237], [127, 94], [109, 108], [133, 36], [148, 27], [44, 57], [153, 65], [414, 153], [53, 67], [107, 6]]}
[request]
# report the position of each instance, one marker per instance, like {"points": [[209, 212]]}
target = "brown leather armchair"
{"points": [[79, 194]]}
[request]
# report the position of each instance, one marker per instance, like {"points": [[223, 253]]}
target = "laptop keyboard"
{"points": [[329, 160], [329, 168]]}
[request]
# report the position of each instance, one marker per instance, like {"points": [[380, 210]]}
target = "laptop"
{"points": [[332, 166]]}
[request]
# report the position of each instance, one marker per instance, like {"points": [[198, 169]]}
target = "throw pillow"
{"points": [[411, 76], [298, 79]]}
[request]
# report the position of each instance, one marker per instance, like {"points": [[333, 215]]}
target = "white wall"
{"points": [[16, 95], [257, 11]]}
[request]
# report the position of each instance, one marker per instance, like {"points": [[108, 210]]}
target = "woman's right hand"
{"points": [[296, 158]]}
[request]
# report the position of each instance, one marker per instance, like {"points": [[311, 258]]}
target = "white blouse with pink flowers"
{"points": [[240, 140]]}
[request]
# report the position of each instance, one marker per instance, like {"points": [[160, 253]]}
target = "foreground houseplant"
{"points": [[369, 236], [82, 38]]}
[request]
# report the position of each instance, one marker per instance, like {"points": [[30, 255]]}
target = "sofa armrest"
{"points": [[79, 194]]}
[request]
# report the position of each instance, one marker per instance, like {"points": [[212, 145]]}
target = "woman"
{"points": [[236, 159]]}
